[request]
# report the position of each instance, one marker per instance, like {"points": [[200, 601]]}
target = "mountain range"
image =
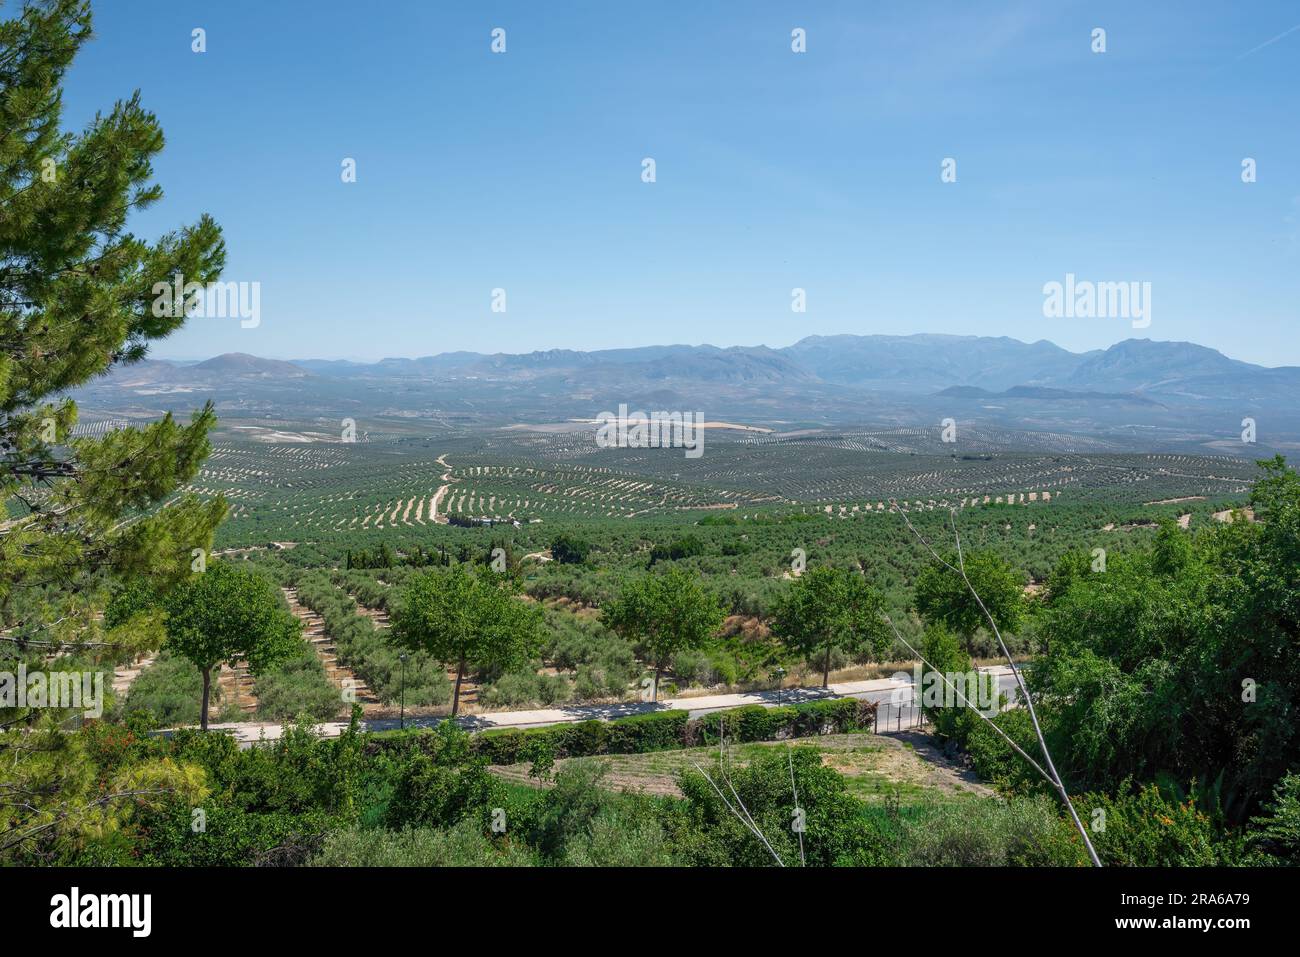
{"points": [[907, 364], [1138, 385]]}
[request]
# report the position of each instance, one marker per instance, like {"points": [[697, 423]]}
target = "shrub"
{"points": [[520, 688], [568, 550], [990, 833], [171, 689], [806, 719], [462, 845], [995, 761], [443, 782], [579, 740], [1147, 829], [832, 830], [654, 731], [500, 746], [298, 686], [1279, 828], [232, 836]]}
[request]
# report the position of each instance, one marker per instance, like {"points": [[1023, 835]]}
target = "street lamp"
{"points": [[780, 678], [402, 659]]}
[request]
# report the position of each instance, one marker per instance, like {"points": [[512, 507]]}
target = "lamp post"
{"points": [[780, 678], [402, 659]]}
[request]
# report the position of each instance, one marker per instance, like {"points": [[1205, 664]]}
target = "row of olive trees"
{"points": [[467, 618]]}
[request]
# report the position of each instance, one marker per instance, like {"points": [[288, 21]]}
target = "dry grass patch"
{"points": [[876, 766]]}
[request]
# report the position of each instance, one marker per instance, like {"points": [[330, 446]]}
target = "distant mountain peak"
{"points": [[243, 364]]}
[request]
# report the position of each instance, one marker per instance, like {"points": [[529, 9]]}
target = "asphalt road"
{"points": [[893, 696]]}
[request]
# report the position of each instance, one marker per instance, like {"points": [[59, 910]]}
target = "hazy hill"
{"points": [[1137, 387], [242, 364]]}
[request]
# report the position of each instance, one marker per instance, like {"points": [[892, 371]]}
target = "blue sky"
{"points": [[775, 170]]}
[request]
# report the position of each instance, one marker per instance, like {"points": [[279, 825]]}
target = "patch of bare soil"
{"points": [[945, 773], [323, 645]]}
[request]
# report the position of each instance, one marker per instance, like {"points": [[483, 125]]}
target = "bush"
{"points": [[518, 689], [1279, 828], [832, 817], [298, 686], [990, 833], [995, 761], [172, 689], [1147, 829], [501, 746], [443, 782], [569, 551], [232, 836], [579, 740], [807, 719], [462, 845], [654, 731]]}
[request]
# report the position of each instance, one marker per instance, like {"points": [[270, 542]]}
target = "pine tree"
{"points": [[76, 300]]}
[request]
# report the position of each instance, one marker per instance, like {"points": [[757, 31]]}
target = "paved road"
{"points": [[895, 710]]}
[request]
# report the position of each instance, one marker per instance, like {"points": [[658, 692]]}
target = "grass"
{"points": [[877, 767]]}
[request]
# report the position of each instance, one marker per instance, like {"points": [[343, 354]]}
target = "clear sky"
{"points": [[774, 169]]}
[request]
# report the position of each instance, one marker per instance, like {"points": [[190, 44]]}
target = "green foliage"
{"points": [[1023, 832], [1180, 660], [295, 687], [367, 652], [443, 782], [523, 688], [170, 691], [1071, 567], [688, 546], [462, 845], [1147, 829], [228, 613], [995, 761], [670, 729], [460, 616], [1278, 833], [232, 836], [758, 723], [826, 609], [635, 734], [665, 614], [772, 788], [954, 722], [943, 597], [568, 550], [655, 731], [76, 297]]}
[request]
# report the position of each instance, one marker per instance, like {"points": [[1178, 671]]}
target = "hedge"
{"points": [[757, 723], [660, 731]]}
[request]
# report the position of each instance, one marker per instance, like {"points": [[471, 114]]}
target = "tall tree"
{"points": [[77, 298], [227, 614], [942, 597], [827, 608], [664, 614], [463, 617]]}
